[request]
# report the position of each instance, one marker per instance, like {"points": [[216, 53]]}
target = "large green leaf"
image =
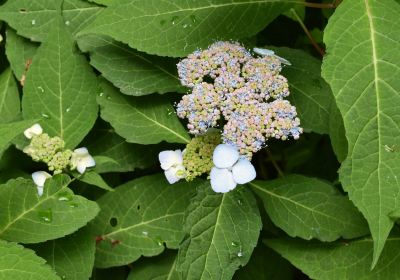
{"points": [[222, 230], [16, 262], [72, 257], [176, 28], [133, 72], [10, 106], [139, 218], [25, 217], [363, 68], [310, 208], [20, 52], [125, 156], [61, 89], [310, 94], [350, 260], [34, 18], [337, 133], [142, 120], [11, 130], [157, 268]]}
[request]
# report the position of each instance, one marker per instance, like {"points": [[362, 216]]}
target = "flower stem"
{"points": [[310, 37], [275, 164]]}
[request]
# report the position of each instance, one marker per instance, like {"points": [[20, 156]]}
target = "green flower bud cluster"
{"points": [[197, 157], [49, 150]]}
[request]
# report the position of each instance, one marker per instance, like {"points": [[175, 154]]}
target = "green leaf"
{"points": [[348, 260], [61, 89], [10, 107], [25, 217], [139, 218], [222, 230], [142, 120], [133, 72], [156, 268], [16, 262], [265, 264], [310, 94], [363, 67], [72, 257], [34, 18], [337, 133], [20, 52], [310, 208], [124, 156], [179, 27], [11, 130], [94, 179]]}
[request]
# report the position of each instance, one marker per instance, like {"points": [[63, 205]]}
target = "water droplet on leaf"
{"points": [[67, 22], [145, 233], [234, 244], [240, 254], [67, 110], [33, 22], [44, 115], [41, 89], [46, 215], [174, 19], [193, 18]]}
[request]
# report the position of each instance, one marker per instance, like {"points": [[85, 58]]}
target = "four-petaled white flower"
{"points": [[39, 178], [81, 159], [35, 129], [172, 164], [230, 169]]}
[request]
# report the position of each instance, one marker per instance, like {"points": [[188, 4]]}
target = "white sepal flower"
{"points": [[230, 169], [172, 164], [39, 178], [81, 159], [243, 171], [225, 156], [35, 129], [222, 180], [169, 159]]}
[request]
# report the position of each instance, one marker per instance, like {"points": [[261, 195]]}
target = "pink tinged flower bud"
{"points": [[243, 171], [221, 180], [225, 156]]}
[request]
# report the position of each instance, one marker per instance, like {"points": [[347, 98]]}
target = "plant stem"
{"points": [[275, 164], [310, 37]]}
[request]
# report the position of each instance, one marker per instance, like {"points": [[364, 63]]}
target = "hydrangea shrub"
{"points": [[196, 139]]}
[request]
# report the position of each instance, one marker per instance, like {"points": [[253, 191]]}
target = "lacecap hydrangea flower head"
{"points": [[244, 97]]}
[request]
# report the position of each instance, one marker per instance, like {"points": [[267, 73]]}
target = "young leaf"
{"points": [[142, 120], [25, 217], [34, 19], [179, 27], [310, 208], [310, 94], [61, 89], [123, 156], [16, 262], [363, 68], [133, 72], [10, 107], [162, 267], [72, 257], [94, 179], [20, 52], [222, 230], [139, 218], [11, 130], [348, 260]]}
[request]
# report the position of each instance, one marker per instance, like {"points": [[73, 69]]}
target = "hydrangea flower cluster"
{"points": [[50, 150], [243, 92]]}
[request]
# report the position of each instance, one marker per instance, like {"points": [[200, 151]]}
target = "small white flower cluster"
{"points": [[80, 159], [230, 169]]}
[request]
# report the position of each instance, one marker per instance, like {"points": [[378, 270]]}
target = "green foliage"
{"points": [[149, 216], [362, 68], [25, 217], [61, 89], [16, 262], [103, 75], [310, 208], [222, 233]]}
